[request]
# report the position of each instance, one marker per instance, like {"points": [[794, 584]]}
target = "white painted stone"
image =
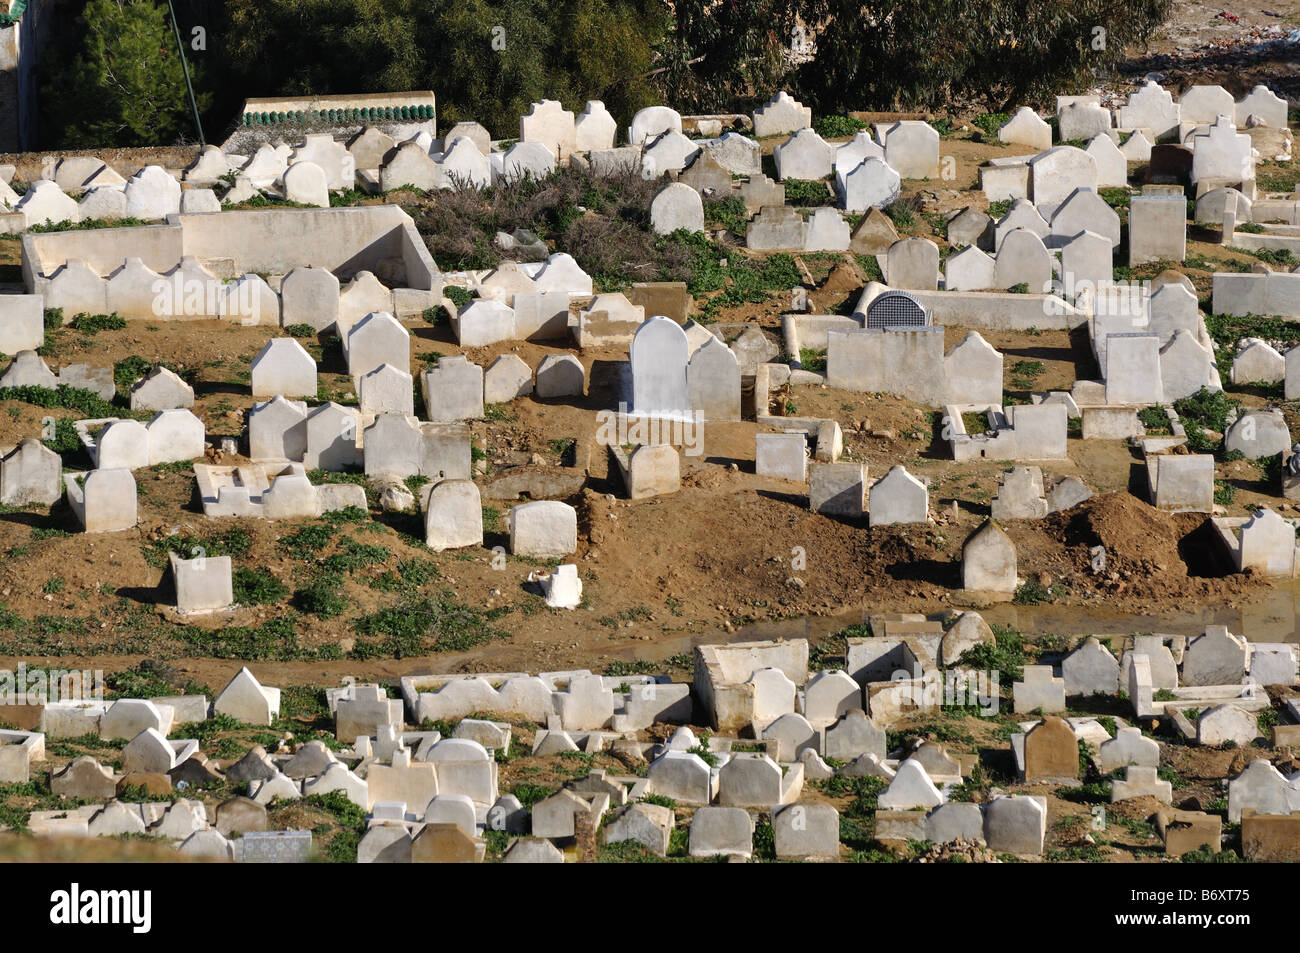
{"points": [[305, 183], [677, 206], [1026, 128], [780, 115], [805, 155], [284, 367], [152, 194], [898, 497]]}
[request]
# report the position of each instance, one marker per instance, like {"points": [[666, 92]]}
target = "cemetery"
{"points": [[764, 750], [636, 484]]}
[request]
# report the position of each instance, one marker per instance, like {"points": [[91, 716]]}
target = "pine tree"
{"points": [[125, 86]]}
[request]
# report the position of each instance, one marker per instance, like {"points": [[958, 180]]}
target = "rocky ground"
{"points": [[1235, 46]]}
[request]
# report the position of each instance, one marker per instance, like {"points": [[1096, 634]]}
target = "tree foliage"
{"points": [[725, 55], [994, 53], [120, 82], [117, 80], [896, 54], [486, 60]]}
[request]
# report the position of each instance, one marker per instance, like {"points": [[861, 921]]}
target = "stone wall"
{"points": [[254, 241], [23, 34]]}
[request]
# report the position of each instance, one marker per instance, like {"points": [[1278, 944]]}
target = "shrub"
{"points": [[419, 625], [729, 214], [995, 52], [322, 597], [307, 542], [990, 123], [1006, 654], [902, 212], [255, 587], [1023, 373], [807, 192], [234, 543], [837, 127], [1224, 492], [1204, 410], [1154, 421], [1031, 593], [85, 402], [94, 323], [812, 360], [457, 295]]}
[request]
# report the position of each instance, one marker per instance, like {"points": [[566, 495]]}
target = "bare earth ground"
{"points": [[719, 553], [1232, 45]]}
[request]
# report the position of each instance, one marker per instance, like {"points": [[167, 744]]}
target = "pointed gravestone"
{"points": [[1026, 128], [1051, 752], [283, 366], [148, 753], [1267, 544], [560, 375], [1090, 670], [332, 438], [874, 234], [161, 389], [1216, 658], [898, 497], [378, 339], [910, 790], [386, 390], [1128, 747], [30, 473], [277, 430], [805, 155], [1039, 691], [1112, 166], [988, 561], [968, 227], [853, 736], [506, 378], [245, 699]]}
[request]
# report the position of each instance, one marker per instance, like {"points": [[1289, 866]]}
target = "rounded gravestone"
{"points": [[677, 206], [306, 184]]}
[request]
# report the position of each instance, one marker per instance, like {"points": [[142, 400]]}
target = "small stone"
{"points": [[396, 499]]}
